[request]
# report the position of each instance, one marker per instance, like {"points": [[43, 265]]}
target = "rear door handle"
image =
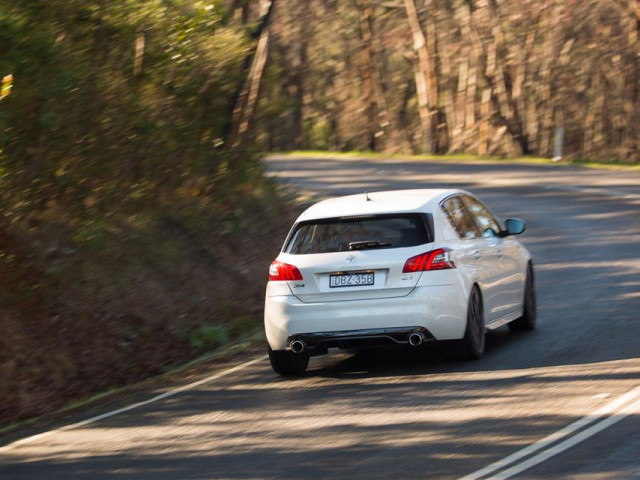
{"points": [[476, 254], [499, 253]]}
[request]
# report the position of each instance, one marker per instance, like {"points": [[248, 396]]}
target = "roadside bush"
{"points": [[124, 222]]}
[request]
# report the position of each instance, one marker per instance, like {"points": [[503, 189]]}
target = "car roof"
{"points": [[395, 201]]}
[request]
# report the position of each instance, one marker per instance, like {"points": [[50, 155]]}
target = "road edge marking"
{"points": [[118, 411], [569, 442], [554, 437]]}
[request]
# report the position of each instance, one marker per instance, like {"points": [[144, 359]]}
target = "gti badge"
{"points": [[351, 259]]}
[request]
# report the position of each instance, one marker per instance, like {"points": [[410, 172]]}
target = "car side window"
{"points": [[484, 219], [459, 217]]}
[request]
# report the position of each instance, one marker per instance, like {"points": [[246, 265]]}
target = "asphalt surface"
{"points": [[411, 414]]}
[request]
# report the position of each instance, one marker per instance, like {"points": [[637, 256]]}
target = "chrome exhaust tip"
{"points": [[416, 339], [297, 346]]}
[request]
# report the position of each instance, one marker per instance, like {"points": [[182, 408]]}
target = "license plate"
{"points": [[351, 280]]}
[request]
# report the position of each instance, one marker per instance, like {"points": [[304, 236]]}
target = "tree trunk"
{"points": [[485, 123], [463, 74], [373, 90], [245, 107], [426, 84], [494, 75], [138, 58], [298, 84], [549, 48], [94, 134], [447, 94], [507, 110]]}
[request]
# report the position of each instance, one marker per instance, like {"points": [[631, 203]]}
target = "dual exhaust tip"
{"points": [[297, 346], [415, 340]]}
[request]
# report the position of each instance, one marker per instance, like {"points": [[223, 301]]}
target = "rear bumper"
{"points": [[439, 311], [318, 343]]}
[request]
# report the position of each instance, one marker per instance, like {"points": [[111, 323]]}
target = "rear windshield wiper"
{"points": [[366, 244]]}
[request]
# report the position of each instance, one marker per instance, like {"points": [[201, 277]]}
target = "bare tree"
{"points": [[373, 91], [245, 108], [426, 80]]}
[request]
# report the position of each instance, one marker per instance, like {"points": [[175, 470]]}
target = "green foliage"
{"points": [[208, 337], [125, 230], [113, 101], [244, 326], [318, 134], [91, 235]]}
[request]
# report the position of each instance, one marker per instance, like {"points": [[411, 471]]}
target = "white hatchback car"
{"points": [[392, 268]]}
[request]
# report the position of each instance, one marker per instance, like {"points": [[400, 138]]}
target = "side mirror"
{"points": [[513, 226]]}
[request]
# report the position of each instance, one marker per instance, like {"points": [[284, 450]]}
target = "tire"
{"points": [[471, 346], [288, 363], [528, 319]]}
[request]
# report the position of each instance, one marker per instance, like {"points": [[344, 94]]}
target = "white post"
{"points": [[557, 144]]}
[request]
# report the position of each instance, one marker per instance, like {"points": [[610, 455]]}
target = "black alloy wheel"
{"points": [[287, 363], [528, 319], [471, 346]]}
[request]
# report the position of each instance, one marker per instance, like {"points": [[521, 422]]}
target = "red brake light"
{"points": [[279, 271], [434, 260]]}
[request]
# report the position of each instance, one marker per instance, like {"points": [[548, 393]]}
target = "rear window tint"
{"points": [[354, 233]]}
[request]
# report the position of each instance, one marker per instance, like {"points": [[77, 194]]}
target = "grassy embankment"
{"points": [[131, 239], [95, 303]]}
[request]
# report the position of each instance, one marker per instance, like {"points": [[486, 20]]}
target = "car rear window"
{"points": [[358, 233]]}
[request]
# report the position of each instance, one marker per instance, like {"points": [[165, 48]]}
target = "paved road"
{"points": [[410, 414]]}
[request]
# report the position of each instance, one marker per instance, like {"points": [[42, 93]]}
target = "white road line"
{"points": [[634, 408], [554, 437], [113, 413]]}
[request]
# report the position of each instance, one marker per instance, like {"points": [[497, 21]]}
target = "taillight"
{"points": [[434, 260], [279, 271]]}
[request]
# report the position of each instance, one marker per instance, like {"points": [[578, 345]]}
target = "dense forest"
{"points": [[452, 76], [131, 133]]}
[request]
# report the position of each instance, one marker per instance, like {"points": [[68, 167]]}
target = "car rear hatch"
{"points": [[356, 258]]}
